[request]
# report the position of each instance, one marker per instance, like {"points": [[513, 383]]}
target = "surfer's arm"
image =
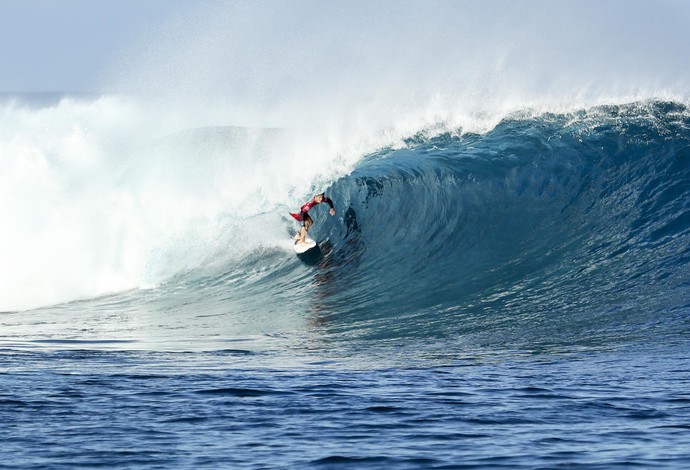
{"points": [[328, 201]]}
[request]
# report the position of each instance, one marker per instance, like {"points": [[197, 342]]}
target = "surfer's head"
{"points": [[319, 197]]}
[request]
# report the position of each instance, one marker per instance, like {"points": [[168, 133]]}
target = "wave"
{"points": [[549, 230], [564, 228]]}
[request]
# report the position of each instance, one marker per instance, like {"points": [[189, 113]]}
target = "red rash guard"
{"points": [[308, 205]]}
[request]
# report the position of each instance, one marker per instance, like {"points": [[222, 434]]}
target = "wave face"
{"points": [[557, 229], [551, 230]]}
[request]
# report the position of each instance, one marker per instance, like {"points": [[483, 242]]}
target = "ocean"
{"points": [[501, 286], [513, 298]]}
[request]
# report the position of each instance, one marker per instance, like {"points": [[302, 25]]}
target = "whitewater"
{"points": [[506, 282]]}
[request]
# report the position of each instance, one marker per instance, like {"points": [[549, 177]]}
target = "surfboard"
{"points": [[304, 247]]}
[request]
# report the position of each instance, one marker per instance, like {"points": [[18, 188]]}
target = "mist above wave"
{"points": [[360, 68]]}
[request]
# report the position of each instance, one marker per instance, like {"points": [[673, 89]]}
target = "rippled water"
{"points": [[591, 409]]}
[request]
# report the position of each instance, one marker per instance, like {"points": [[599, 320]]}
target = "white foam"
{"points": [[95, 197]]}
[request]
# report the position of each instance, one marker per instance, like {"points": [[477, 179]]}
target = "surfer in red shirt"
{"points": [[304, 217]]}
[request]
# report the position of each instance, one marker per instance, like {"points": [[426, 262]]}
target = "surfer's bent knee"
{"points": [[307, 221]]}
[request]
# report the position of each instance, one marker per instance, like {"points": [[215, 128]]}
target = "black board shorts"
{"points": [[304, 216]]}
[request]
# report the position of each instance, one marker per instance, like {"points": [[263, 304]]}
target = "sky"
{"points": [[67, 45], [274, 48]]}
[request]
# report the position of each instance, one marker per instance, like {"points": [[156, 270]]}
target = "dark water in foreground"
{"points": [[602, 409]]}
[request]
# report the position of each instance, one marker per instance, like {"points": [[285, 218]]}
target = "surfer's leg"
{"points": [[302, 235], [307, 223]]}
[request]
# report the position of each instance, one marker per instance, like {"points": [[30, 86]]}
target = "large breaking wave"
{"points": [[497, 176], [551, 229], [568, 229]]}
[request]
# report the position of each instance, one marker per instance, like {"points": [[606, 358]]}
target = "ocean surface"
{"points": [[513, 298], [505, 283]]}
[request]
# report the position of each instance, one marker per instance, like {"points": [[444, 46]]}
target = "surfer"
{"points": [[304, 217]]}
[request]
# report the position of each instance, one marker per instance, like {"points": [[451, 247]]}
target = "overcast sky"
{"points": [[66, 45]]}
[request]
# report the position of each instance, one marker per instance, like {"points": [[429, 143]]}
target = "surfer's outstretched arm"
{"points": [[329, 201]]}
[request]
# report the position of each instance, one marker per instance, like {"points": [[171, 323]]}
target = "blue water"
{"points": [[595, 409], [513, 298]]}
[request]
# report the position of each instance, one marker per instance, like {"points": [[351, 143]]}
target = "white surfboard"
{"points": [[304, 247]]}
